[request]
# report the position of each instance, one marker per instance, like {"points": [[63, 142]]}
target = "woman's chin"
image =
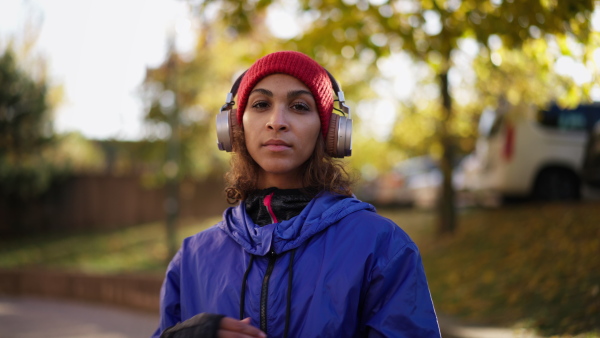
{"points": [[279, 168], [280, 178]]}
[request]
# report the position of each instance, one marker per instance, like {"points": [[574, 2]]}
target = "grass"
{"points": [[136, 249], [532, 266]]}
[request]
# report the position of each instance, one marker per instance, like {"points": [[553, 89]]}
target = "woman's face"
{"points": [[281, 127]]}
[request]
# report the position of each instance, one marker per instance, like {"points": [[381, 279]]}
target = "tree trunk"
{"points": [[446, 203], [172, 160], [172, 217]]}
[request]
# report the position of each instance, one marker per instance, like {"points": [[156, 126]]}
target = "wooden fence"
{"points": [[104, 202]]}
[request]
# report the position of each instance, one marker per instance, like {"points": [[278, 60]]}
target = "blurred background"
{"points": [[476, 129]]}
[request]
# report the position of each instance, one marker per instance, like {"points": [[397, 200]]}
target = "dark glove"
{"points": [[203, 325]]}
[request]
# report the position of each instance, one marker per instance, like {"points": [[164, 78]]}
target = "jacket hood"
{"points": [[321, 212]]}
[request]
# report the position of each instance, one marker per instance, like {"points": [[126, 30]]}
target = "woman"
{"points": [[299, 256]]}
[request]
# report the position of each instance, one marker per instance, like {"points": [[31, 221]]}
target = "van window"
{"points": [[571, 120], [580, 118]]}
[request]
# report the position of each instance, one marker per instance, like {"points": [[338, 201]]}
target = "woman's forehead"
{"points": [[278, 80]]}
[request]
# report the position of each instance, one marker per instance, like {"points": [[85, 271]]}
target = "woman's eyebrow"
{"points": [[295, 93], [262, 91]]}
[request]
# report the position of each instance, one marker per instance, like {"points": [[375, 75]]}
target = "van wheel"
{"points": [[556, 185]]}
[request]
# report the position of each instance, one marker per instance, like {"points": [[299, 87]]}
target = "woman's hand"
{"points": [[233, 328]]}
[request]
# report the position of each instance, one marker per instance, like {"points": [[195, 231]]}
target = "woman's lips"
{"points": [[276, 145], [276, 148]]}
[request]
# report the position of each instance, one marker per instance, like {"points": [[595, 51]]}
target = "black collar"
{"points": [[285, 204]]}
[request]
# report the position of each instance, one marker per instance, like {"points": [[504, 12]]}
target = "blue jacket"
{"points": [[353, 274]]}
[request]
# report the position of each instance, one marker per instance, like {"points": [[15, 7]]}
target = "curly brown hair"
{"points": [[320, 172]]}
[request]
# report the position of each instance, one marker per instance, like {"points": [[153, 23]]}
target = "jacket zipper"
{"points": [[265, 292]]}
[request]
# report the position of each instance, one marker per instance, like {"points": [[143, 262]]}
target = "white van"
{"points": [[530, 153], [591, 163]]}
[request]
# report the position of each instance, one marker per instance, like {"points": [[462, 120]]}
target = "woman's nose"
{"points": [[277, 119]]}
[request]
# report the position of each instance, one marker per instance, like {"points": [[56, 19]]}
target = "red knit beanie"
{"points": [[298, 65]]}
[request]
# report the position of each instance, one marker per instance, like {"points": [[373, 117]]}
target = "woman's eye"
{"points": [[300, 106], [260, 105]]}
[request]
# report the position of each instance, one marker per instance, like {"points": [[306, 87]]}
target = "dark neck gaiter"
{"points": [[274, 205]]}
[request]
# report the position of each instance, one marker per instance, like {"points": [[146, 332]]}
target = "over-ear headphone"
{"points": [[338, 142]]}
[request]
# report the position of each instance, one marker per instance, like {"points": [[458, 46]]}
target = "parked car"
{"points": [[535, 154], [591, 163], [393, 187], [412, 182]]}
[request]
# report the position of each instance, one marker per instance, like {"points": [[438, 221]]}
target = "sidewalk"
{"points": [[453, 329], [26, 317]]}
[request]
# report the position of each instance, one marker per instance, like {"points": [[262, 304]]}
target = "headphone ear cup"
{"points": [[338, 142], [226, 121], [345, 142]]}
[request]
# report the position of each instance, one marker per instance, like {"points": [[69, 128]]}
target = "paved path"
{"points": [[33, 318], [453, 329]]}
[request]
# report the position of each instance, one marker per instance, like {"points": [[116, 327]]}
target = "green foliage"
{"points": [[72, 152], [29, 177], [433, 28], [526, 77], [25, 130], [240, 15], [36, 171], [24, 125]]}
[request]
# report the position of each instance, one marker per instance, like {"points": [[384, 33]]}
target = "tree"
{"points": [[25, 130], [431, 32]]}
